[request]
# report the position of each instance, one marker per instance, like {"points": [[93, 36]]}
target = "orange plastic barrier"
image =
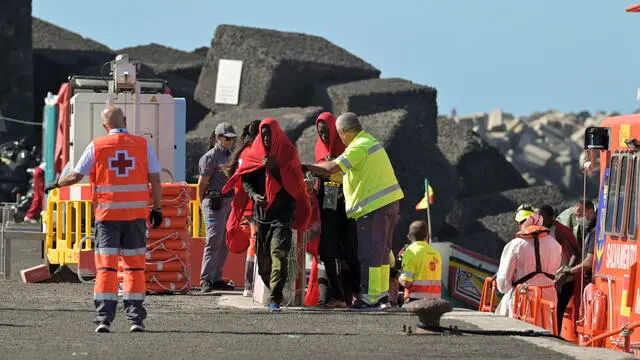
{"points": [[529, 307], [489, 295]]}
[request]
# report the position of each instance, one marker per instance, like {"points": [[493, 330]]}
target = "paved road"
{"points": [[54, 321]]}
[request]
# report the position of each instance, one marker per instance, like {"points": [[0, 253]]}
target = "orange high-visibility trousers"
{"points": [[115, 239]]}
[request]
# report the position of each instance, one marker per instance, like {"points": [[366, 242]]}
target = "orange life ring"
{"points": [[168, 286], [175, 201], [168, 245], [175, 188], [174, 222], [166, 234], [161, 255], [167, 276], [171, 265], [176, 211], [162, 276]]}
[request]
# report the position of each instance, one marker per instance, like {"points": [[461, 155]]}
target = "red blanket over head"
{"points": [[285, 155], [335, 147]]}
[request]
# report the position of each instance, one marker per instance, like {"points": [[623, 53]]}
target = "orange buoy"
{"points": [[176, 211], [168, 245], [167, 276], [174, 222], [174, 189], [161, 255], [167, 234], [167, 265], [168, 286]]}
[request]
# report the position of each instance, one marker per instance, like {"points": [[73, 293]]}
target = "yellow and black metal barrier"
{"points": [[68, 219]]}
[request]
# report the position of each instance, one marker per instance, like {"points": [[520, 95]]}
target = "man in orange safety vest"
{"points": [[120, 166]]}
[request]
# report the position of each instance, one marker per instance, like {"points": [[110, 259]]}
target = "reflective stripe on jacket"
{"points": [[370, 184], [120, 178], [422, 266]]}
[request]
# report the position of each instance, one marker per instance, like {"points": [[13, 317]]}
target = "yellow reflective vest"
{"points": [[422, 266], [369, 181]]}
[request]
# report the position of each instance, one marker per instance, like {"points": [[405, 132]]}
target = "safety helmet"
{"points": [[523, 212]]}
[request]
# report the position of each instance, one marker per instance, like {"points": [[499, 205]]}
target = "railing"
{"points": [[197, 223]]}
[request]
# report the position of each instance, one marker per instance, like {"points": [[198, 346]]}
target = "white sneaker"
{"points": [[29, 220], [137, 328], [102, 328], [247, 293], [385, 306]]}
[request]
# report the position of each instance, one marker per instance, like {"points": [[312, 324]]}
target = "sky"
{"points": [[520, 56]]}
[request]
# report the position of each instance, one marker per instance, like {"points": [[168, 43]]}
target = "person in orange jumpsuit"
{"points": [[121, 166]]}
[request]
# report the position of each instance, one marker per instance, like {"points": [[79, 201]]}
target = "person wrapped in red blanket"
{"points": [[242, 148], [338, 248], [271, 176]]}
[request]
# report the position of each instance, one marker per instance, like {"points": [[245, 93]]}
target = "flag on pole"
{"points": [[428, 197]]}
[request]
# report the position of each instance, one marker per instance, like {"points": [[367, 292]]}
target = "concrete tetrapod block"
{"points": [[292, 120], [466, 212], [429, 311], [367, 97], [165, 60], [404, 135], [481, 167], [279, 68]]}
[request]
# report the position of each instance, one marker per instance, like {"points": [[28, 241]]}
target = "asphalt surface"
{"points": [[54, 321]]}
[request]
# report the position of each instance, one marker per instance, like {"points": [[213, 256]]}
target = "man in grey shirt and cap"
{"points": [[215, 207]]}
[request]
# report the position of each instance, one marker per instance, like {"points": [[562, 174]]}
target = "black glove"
{"points": [[51, 187], [155, 217]]}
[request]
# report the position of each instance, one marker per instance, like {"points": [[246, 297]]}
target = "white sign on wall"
{"points": [[228, 83]]}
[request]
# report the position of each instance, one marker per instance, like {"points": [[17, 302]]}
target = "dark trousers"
{"points": [[564, 296], [375, 235], [273, 242], [338, 249]]}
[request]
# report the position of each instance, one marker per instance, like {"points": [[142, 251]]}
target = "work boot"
{"points": [[102, 328], [205, 286], [221, 285], [137, 327]]}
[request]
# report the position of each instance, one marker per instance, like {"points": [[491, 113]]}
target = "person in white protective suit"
{"points": [[521, 261]]}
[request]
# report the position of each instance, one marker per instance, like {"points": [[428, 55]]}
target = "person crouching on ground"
{"points": [[421, 273], [271, 176]]}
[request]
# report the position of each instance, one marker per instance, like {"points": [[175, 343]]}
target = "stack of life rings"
{"points": [[168, 267]]}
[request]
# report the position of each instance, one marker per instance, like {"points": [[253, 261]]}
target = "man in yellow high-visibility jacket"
{"points": [[421, 273], [372, 195]]}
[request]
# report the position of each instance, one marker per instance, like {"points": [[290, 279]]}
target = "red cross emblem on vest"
{"points": [[122, 163]]}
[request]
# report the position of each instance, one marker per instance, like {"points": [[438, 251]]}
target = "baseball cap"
{"points": [[224, 128]]}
